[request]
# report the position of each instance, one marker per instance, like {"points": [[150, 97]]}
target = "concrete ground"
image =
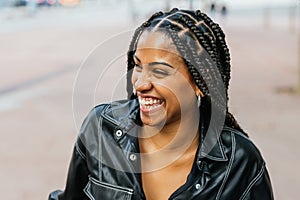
{"points": [[44, 94]]}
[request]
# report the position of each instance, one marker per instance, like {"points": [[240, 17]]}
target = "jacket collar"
{"points": [[125, 116]]}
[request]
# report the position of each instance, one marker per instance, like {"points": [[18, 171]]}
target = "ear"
{"points": [[198, 92]]}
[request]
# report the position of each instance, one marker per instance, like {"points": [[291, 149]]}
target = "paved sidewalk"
{"points": [[39, 67]]}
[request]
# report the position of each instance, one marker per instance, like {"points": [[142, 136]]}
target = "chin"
{"points": [[154, 119]]}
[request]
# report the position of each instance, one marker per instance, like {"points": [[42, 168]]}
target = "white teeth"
{"points": [[149, 102]]}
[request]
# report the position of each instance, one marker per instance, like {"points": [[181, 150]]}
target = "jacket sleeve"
{"points": [[76, 180], [79, 172], [260, 187]]}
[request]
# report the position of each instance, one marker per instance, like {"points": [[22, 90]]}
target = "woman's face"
{"points": [[165, 90]]}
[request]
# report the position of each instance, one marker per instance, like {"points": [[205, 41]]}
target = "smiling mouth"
{"points": [[150, 104]]}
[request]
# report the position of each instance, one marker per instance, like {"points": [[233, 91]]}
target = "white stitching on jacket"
{"points": [[100, 131], [87, 192], [111, 186], [127, 192], [252, 183], [229, 166]]}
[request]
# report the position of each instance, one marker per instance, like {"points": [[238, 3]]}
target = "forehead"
{"points": [[156, 40]]}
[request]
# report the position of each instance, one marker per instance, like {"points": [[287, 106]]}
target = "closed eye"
{"points": [[160, 72]]}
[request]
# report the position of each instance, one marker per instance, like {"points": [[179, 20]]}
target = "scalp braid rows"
{"points": [[210, 37]]}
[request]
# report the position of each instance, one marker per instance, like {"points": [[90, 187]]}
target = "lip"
{"points": [[146, 95], [150, 103]]}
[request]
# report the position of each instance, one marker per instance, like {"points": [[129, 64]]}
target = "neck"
{"points": [[173, 136], [174, 144]]}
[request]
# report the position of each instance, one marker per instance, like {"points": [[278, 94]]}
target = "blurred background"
{"points": [[59, 58]]}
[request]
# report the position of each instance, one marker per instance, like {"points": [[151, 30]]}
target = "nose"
{"points": [[143, 83]]}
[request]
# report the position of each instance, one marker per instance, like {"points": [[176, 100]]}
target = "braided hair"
{"points": [[201, 43]]}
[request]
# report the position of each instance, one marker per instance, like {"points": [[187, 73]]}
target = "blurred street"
{"points": [[51, 75]]}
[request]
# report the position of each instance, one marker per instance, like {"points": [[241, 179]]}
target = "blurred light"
{"points": [[68, 2], [51, 2], [40, 1]]}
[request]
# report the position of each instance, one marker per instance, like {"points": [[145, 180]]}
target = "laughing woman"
{"points": [[174, 138]]}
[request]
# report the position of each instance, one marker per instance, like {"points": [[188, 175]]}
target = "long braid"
{"points": [[221, 45], [225, 62], [206, 66], [209, 44]]}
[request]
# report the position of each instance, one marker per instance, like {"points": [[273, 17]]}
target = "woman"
{"points": [[174, 138]]}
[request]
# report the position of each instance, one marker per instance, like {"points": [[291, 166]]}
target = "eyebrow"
{"points": [[155, 63]]}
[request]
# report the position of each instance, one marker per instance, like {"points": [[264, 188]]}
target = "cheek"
{"points": [[179, 93], [186, 93], [182, 87]]}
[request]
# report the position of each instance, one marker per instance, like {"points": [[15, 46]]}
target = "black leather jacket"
{"points": [[105, 163]]}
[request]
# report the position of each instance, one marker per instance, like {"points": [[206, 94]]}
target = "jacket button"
{"points": [[119, 133], [197, 186], [132, 157]]}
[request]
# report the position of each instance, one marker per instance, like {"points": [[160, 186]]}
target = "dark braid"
{"points": [[205, 68], [221, 45], [198, 79], [208, 44], [225, 62], [130, 53], [200, 38], [130, 62]]}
